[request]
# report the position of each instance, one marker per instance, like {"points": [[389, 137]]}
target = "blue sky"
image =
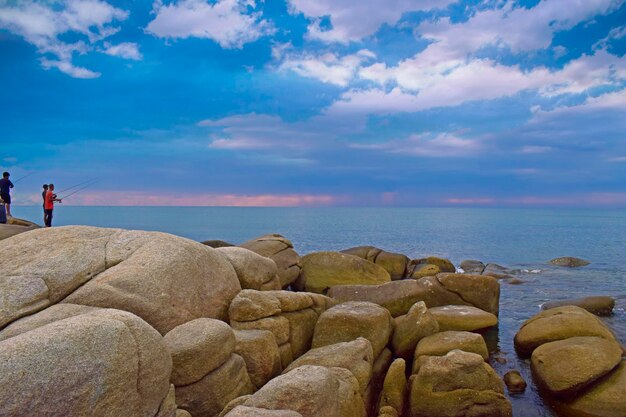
{"points": [[326, 102]]}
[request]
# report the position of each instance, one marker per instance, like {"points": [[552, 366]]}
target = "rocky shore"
{"points": [[112, 322]]}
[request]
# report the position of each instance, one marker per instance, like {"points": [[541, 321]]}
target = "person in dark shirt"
{"points": [[43, 195], [5, 195]]}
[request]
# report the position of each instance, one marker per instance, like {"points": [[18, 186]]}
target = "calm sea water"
{"points": [[517, 238]]}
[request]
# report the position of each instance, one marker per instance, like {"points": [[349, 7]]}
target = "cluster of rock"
{"points": [[105, 322], [576, 360]]}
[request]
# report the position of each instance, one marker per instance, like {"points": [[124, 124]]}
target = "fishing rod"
{"points": [[94, 180], [21, 178], [80, 189]]}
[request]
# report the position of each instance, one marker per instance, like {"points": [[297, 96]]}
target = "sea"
{"points": [[521, 239]]}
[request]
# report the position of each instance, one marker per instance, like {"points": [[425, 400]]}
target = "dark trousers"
{"points": [[48, 217]]}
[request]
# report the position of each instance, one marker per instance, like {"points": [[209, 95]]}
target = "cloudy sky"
{"points": [[325, 102]]}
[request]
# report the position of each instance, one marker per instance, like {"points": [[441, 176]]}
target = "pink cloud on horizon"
{"points": [[588, 199], [131, 198]]}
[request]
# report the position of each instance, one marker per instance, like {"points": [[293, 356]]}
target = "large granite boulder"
{"points": [[259, 350], [394, 263], [457, 384], [49, 315], [290, 316], [558, 324], [301, 327], [349, 321], [253, 270], [466, 318], [606, 398], [444, 264], [477, 290], [209, 395], [356, 356], [394, 390], [444, 289], [101, 363], [323, 270], [440, 344], [251, 305], [396, 296], [598, 305], [424, 270], [411, 328], [312, 391], [280, 250], [197, 348], [569, 261], [243, 411], [566, 367], [164, 279], [15, 226]]}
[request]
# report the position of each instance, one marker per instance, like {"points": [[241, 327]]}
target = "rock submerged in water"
{"points": [[598, 305], [569, 261], [471, 266], [514, 382]]}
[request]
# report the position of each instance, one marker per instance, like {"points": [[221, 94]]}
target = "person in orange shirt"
{"points": [[51, 197]]}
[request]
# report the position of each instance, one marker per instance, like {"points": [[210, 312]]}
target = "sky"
{"points": [[316, 103]]}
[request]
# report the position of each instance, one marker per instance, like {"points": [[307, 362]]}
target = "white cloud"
{"points": [[69, 69], [259, 131], [614, 34], [518, 28], [42, 23], [126, 50], [230, 23], [353, 20], [416, 86], [328, 67], [610, 102], [436, 145]]}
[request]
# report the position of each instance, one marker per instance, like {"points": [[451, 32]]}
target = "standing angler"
{"points": [[5, 186], [51, 197], [43, 196]]}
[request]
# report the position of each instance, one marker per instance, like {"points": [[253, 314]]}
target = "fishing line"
{"points": [[76, 191], [93, 180]]}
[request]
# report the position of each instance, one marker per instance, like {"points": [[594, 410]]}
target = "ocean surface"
{"points": [[523, 239]]}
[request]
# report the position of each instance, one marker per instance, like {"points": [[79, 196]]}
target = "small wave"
{"points": [[531, 271], [460, 271]]}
